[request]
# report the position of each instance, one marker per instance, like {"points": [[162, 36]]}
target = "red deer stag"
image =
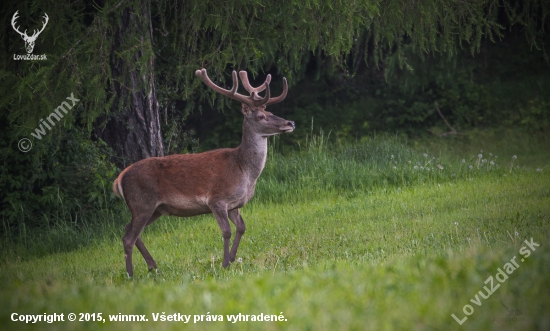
{"points": [[218, 182]]}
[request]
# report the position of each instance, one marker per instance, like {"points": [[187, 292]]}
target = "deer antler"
{"points": [[24, 34], [251, 100], [254, 100], [250, 89], [13, 19], [280, 97], [46, 19]]}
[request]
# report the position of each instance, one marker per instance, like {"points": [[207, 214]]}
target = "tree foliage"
{"points": [[282, 37]]}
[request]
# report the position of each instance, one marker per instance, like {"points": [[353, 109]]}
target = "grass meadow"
{"points": [[377, 234]]}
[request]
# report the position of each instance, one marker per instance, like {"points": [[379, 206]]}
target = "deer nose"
{"points": [[291, 123]]}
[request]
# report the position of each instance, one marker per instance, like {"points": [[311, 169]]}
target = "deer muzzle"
{"points": [[290, 126]]}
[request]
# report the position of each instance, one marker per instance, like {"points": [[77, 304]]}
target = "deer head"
{"points": [[257, 119], [29, 40]]}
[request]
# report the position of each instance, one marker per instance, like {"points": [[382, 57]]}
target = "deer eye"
{"points": [[261, 117]]}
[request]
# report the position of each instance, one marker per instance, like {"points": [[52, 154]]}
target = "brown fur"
{"points": [[219, 182]]}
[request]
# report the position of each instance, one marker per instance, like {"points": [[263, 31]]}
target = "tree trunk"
{"points": [[132, 125]]}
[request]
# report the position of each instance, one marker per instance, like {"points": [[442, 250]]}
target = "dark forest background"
{"points": [[354, 69]]}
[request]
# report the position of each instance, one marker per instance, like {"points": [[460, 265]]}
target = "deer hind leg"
{"points": [[236, 218], [151, 264], [220, 213], [130, 238]]}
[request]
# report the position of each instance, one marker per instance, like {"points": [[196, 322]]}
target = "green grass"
{"points": [[404, 249]]}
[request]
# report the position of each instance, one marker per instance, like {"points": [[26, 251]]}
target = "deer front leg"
{"points": [[220, 213], [236, 218]]}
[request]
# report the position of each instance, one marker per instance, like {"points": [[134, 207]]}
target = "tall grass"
{"points": [[373, 163], [321, 168]]}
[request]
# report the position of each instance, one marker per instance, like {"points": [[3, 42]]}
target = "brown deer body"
{"points": [[219, 181]]}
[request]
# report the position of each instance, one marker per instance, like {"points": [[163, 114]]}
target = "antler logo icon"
{"points": [[29, 40]]}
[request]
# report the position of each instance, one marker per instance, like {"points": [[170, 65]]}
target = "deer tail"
{"points": [[117, 187]]}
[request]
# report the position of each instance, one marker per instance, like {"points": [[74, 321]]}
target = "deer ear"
{"points": [[246, 110]]}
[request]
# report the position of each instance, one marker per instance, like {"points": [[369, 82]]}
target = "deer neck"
{"points": [[252, 153]]}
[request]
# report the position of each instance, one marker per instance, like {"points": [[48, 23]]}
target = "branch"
{"points": [[89, 30], [453, 131]]}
